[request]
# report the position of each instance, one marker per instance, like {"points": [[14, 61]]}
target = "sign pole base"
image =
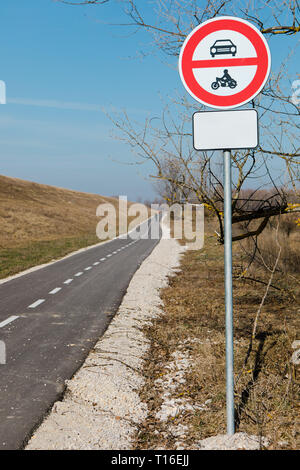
{"points": [[228, 292]]}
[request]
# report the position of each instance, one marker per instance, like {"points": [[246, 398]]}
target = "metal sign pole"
{"points": [[228, 292], [237, 129]]}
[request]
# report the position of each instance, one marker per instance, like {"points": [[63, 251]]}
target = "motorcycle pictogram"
{"points": [[226, 80]]}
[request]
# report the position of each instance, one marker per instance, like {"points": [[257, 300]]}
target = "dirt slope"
{"points": [[39, 223], [31, 211]]}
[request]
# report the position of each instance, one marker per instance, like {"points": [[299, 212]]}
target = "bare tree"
{"points": [[167, 143], [175, 19], [196, 176], [84, 2]]}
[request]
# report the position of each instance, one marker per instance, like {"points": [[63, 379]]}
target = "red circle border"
{"points": [[258, 80]]}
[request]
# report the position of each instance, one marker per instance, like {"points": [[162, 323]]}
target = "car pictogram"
{"points": [[223, 46]]}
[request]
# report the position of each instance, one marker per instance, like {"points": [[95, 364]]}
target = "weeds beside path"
{"points": [[185, 369]]}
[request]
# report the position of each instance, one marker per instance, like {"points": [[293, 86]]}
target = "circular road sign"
{"points": [[224, 62]]}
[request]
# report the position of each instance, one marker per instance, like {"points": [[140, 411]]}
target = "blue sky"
{"points": [[61, 65]]}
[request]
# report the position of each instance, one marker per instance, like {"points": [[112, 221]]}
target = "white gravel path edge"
{"points": [[101, 408]]}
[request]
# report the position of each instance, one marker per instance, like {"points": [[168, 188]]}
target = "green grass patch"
{"points": [[17, 259]]}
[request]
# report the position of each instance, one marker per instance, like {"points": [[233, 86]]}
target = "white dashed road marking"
{"points": [[54, 291], [37, 303], [8, 320], [68, 281]]}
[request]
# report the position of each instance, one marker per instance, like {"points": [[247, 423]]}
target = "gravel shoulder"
{"points": [[102, 408]]}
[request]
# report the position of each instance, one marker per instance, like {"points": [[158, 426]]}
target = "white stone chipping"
{"points": [[238, 441], [101, 409]]}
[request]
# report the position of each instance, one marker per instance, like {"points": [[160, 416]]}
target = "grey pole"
{"points": [[228, 292]]}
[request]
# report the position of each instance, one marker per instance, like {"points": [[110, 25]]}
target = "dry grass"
{"points": [[40, 223], [288, 238], [267, 386]]}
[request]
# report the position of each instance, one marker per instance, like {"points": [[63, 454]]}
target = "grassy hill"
{"points": [[39, 223]]}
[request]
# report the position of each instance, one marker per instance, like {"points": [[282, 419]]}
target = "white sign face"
{"points": [[221, 130], [224, 62]]}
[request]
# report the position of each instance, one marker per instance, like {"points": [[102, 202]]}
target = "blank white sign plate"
{"points": [[225, 130]]}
